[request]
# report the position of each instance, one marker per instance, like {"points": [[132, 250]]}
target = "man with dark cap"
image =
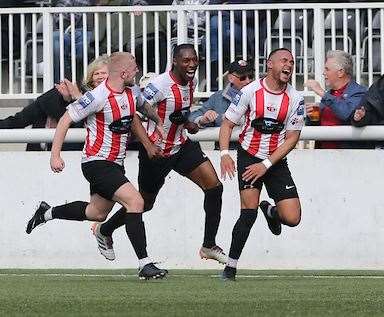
{"points": [[240, 73]]}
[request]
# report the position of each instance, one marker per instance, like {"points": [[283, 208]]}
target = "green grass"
{"points": [[191, 293]]}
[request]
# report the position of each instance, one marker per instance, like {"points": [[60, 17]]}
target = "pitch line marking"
{"points": [[198, 275]]}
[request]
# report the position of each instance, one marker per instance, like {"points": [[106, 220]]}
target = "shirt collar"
{"points": [[341, 90]]}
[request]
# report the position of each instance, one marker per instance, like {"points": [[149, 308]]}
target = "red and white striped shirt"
{"points": [[169, 96], [101, 107], [255, 101]]}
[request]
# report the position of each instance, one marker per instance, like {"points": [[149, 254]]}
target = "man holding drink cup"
{"points": [[313, 112], [337, 104]]}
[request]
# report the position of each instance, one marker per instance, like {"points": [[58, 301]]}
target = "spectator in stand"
{"points": [[337, 104], [138, 29], [211, 113], [50, 106], [371, 110], [67, 35], [226, 34]]}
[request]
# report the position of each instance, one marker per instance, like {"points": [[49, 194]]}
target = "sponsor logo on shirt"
{"points": [[150, 91], [271, 108], [86, 100], [294, 121], [300, 108]]}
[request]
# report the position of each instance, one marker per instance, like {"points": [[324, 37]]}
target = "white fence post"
{"points": [[182, 32], [318, 44], [47, 51]]}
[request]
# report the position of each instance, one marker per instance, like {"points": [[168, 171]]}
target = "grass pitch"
{"points": [[191, 293]]}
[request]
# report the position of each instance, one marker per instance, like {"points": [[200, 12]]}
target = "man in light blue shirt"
{"points": [[240, 74], [211, 113]]}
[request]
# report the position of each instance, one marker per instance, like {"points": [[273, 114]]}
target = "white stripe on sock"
{"points": [[231, 262], [144, 261], [48, 214]]}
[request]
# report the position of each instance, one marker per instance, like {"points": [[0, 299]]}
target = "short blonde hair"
{"points": [[102, 60], [119, 60]]}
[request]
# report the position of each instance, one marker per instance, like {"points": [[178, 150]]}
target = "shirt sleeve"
{"points": [[84, 106], [138, 95], [239, 105], [196, 115], [297, 116], [153, 94]]}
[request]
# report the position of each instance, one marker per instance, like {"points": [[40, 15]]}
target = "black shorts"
{"points": [[104, 177], [277, 180], [152, 173]]}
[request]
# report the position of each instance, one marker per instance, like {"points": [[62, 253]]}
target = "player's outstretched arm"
{"points": [[227, 165], [57, 163]]}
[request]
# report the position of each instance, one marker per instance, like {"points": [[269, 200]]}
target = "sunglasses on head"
{"points": [[244, 77]]}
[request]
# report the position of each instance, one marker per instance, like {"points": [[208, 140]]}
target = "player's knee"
{"points": [[214, 192], [137, 204], [292, 220], [100, 217]]}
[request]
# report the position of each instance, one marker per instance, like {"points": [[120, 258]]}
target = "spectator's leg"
{"points": [[79, 42], [56, 56], [214, 44], [27, 116], [51, 104], [67, 56]]}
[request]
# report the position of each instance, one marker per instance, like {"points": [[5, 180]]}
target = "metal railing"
{"points": [[219, 33], [209, 134]]}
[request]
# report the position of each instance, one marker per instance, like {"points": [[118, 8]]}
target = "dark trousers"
{"points": [[50, 104]]}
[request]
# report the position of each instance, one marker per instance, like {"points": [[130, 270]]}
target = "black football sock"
{"points": [[241, 232], [116, 221], [272, 213], [71, 211], [212, 207], [135, 228]]}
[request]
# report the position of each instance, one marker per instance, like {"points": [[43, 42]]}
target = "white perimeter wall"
{"points": [[342, 195]]}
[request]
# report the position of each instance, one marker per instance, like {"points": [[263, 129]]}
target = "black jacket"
{"points": [[373, 102]]}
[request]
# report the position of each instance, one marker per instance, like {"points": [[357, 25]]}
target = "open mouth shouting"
{"points": [[286, 73], [190, 74]]}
